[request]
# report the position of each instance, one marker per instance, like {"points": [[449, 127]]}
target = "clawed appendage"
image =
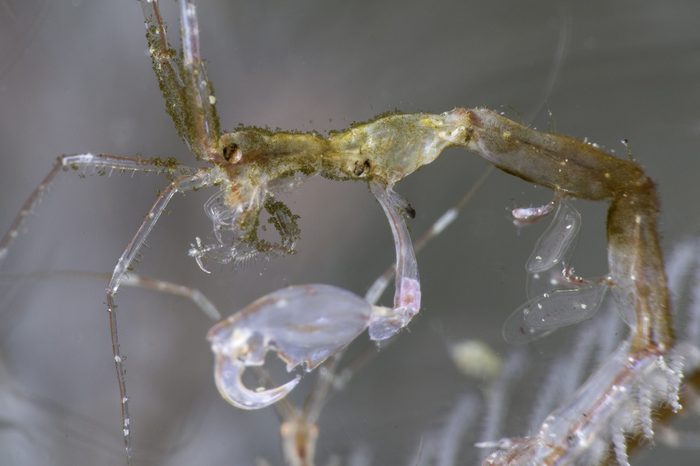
{"points": [[306, 324]]}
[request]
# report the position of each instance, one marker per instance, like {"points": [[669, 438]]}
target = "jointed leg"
{"points": [[134, 280], [197, 297], [77, 162], [182, 184]]}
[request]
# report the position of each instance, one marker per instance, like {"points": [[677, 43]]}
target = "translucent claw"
{"points": [[228, 375], [303, 324]]}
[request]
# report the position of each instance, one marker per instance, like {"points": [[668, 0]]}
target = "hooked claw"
{"points": [[303, 324], [228, 374]]}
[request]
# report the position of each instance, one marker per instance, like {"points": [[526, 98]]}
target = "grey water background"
{"points": [[75, 77]]}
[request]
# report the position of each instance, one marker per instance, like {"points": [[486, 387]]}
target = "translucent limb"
{"points": [[540, 316], [193, 294], [131, 280], [386, 322], [185, 183], [375, 291], [189, 98], [303, 324], [98, 162]]}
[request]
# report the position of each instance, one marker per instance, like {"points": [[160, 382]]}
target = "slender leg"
{"points": [[77, 162], [182, 184], [198, 298]]}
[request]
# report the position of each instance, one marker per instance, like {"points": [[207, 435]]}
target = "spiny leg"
{"points": [[189, 96], [81, 161], [185, 183]]}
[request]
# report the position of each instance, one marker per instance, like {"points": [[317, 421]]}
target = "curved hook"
{"points": [[228, 374], [304, 325]]}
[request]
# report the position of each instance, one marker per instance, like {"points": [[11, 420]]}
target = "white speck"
{"points": [[212, 99], [117, 359], [444, 221]]}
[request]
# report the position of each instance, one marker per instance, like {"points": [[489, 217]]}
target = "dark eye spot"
{"points": [[230, 151], [362, 167]]}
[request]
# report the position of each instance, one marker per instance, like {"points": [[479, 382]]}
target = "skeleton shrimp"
{"points": [[249, 166]]}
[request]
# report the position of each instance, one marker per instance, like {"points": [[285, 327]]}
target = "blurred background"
{"points": [[75, 77]]}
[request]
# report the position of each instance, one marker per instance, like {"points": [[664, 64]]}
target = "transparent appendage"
{"points": [[303, 325], [541, 316], [556, 240], [386, 322]]}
